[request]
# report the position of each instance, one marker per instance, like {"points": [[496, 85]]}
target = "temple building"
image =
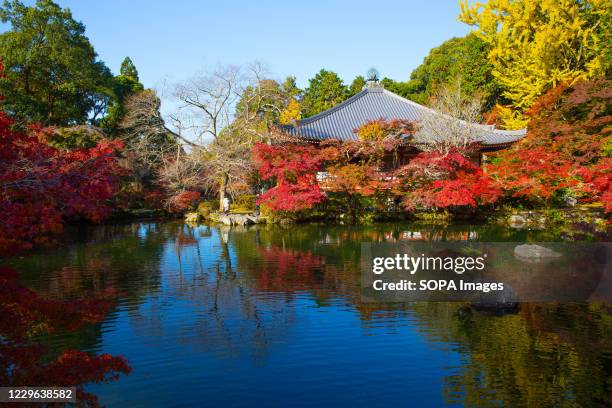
{"points": [[373, 103]]}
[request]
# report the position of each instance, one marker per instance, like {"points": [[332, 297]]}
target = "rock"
{"points": [[496, 302], [192, 218], [225, 220], [535, 253], [517, 221], [238, 219], [570, 201]]}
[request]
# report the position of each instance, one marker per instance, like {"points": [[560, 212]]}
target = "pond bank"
{"points": [[588, 218]]}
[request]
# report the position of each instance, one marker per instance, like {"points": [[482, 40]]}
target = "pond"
{"points": [[271, 316]]}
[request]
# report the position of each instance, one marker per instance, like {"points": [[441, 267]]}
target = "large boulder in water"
{"points": [[496, 302], [535, 253]]}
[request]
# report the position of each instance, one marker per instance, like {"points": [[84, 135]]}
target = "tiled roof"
{"points": [[375, 102]]}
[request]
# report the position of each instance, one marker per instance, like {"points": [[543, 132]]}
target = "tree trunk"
{"points": [[222, 190]]}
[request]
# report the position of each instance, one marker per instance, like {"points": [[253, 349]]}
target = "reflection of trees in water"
{"points": [[216, 307], [545, 355], [291, 262], [120, 257], [234, 292], [123, 259]]}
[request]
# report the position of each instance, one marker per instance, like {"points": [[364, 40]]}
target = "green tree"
{"points": [[262, 103], [290, 88], [52, 73], [357, 85], [123, 85], [460, 58], [324, 91], [128, 69], [405, 89]]}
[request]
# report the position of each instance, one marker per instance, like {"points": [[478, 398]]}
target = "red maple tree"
{"points": [[567, 150], [42, 186], [184, 200], [433, 180], [294, 168]]}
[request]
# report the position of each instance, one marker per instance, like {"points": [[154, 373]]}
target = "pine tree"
{"points": [[128, 69]]}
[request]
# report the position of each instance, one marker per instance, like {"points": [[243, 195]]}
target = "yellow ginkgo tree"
{"points": [[291, 113], [537, 44]]}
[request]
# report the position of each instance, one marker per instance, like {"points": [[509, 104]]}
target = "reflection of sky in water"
{"points": [[261, 349], [212, 317]]}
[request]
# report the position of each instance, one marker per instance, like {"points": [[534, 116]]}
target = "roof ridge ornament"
{"points": [[372, 79]]}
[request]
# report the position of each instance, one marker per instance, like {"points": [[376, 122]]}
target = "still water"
{"points": [[271, 316]]}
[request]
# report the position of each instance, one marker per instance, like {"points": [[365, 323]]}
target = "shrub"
{"points": [[245, 202], [205, 208], [183, 201]]}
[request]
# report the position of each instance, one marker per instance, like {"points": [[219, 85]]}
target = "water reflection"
{"points": [[274, 313]]}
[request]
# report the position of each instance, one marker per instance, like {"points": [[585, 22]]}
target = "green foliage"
{"points": [[245, 202], [357, 85], [52, 74], [463, 59], [606, 148], [263, 102], [206, 208], [290, 88], [79, 137], [405, 89], [123, 85], [354, 209], [128, 69], [324, 91], [460, 58]]}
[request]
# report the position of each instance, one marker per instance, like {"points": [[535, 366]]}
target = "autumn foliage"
{"points": [[24, 363], [433, 180], [294, 170], [566, 158], [360, 169], [567, 151], [288, 270], [357, 167], [184, 200], [382, 129], [534, 45], [43, 186], [598, 180]]}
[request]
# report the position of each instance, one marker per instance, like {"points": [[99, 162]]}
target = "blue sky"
{"points": [[169, 41]]}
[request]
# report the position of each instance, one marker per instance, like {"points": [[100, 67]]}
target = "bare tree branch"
{"points": [[451, 125]]}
